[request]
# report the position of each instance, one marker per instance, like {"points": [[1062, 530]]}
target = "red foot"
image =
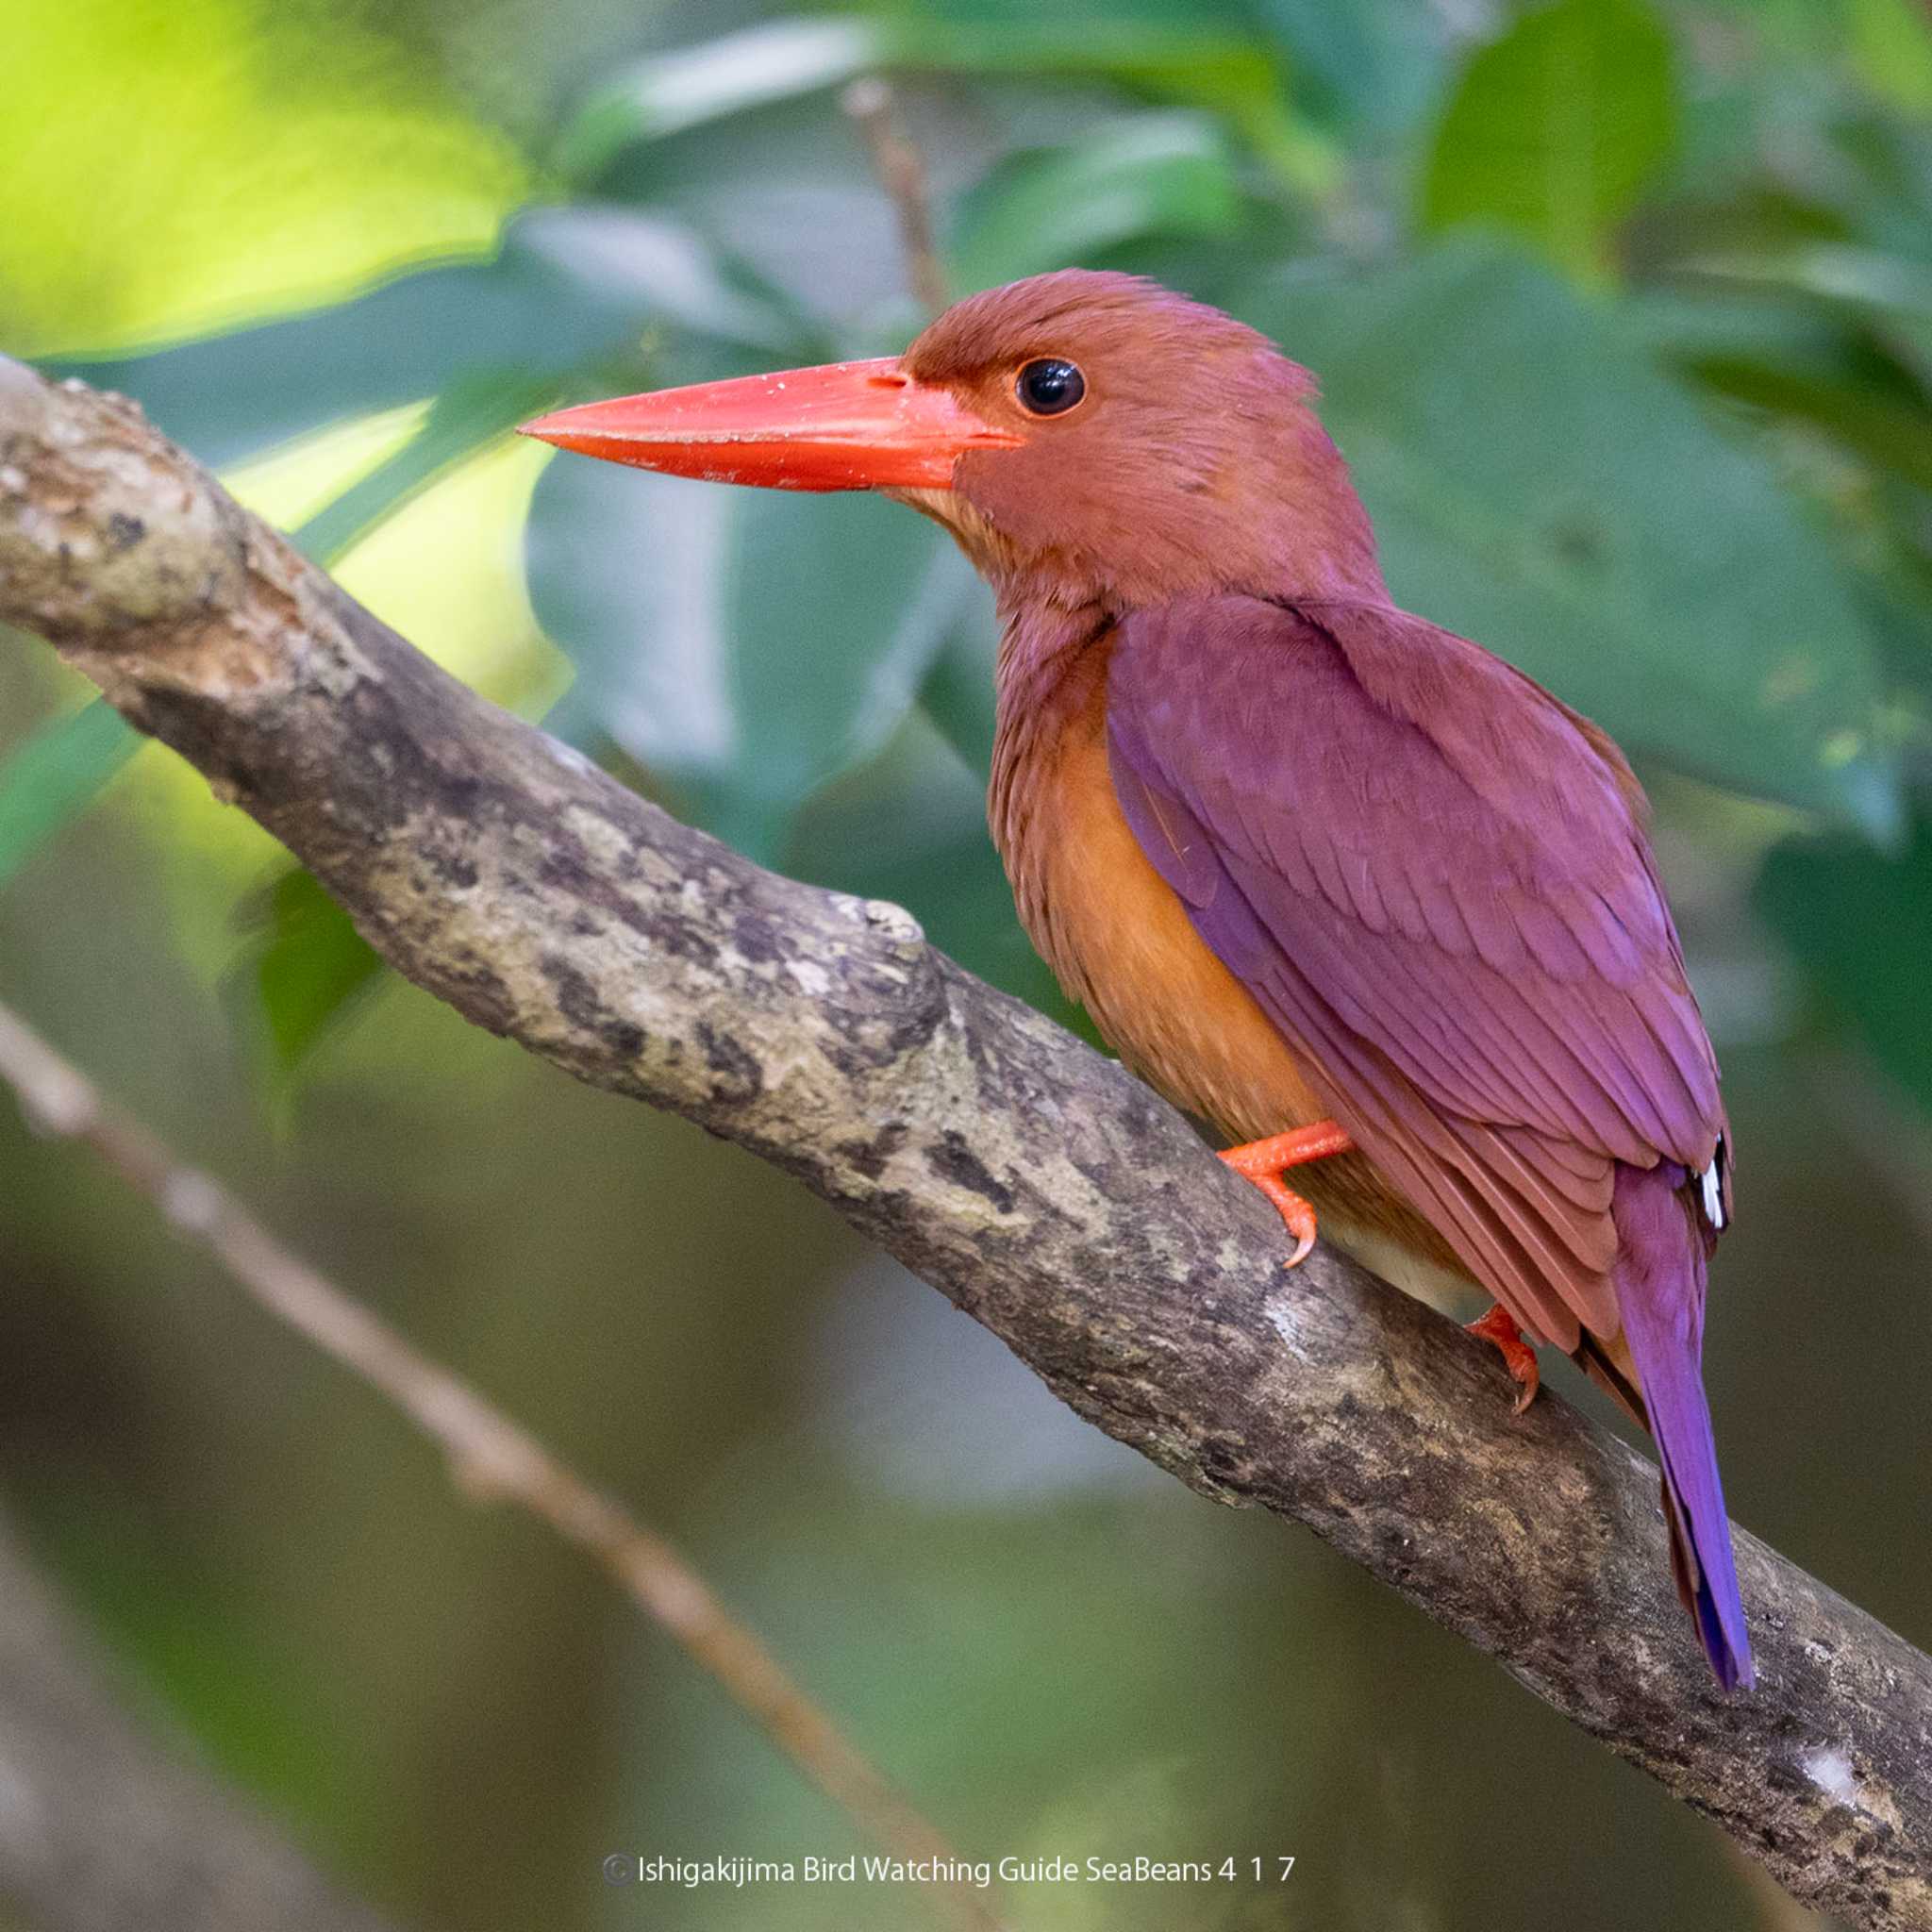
{"points": [[1262, 1161], [1499, 1325]]}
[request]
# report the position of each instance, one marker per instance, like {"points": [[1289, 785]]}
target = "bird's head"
{"points": [[1091, 437]]}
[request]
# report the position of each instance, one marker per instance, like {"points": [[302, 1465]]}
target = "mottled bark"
{"points": [[1036, 1185]]}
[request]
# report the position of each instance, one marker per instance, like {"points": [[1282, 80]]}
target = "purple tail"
{"points": [[1661, 1261]]}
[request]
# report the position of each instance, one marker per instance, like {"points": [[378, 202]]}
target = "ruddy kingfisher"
{"points": [[1338, 881]]}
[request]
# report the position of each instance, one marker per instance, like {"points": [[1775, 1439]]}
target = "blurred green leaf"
{"points": [[1894, 290], [909, 825], [958, 694], [312, 967], [1555, 129], [1236, 77], [1676, 324], [1861, 923], [1892, 431], [1862, 278], [1538, 486], [479, 406], [688, 85], [746, 644], [1146, 175], [786, 190], [1894, 591], [1754, 220], [51, 778], [1173, 59], [1891, 48], [1359, 64], [571, 286], [1873, 169]]}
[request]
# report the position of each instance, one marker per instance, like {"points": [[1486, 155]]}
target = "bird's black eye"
{"points": [[1050, 387]]}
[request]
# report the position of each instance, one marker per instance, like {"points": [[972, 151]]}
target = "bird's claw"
{"points": [[1499, 1327], [1295, 1212], [1261, 1161]]}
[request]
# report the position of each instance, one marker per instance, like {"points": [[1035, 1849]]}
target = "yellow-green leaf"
{"points": [[1554, 130]]}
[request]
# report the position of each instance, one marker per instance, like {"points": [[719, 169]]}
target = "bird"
{"points": [[1344, 885]]}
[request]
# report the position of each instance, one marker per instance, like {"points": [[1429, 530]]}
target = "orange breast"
{"points": [[1119, 939]]}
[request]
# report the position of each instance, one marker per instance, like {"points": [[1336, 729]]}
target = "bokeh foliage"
{"points": [[1622, 310], [1664, 471]]}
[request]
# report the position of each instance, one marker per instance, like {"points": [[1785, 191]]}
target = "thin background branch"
{"points": [[901, 168], [491, 1456]]}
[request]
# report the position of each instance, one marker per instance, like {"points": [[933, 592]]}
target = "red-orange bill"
{"points": [[843, 425]]}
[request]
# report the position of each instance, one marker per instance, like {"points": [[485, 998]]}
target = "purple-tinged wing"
{"points": [[1435, 879]]}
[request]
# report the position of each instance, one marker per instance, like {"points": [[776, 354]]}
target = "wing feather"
{"points": [[1435, 878]]}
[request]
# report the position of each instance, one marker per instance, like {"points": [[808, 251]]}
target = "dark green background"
{"points": [[1623, 313]]}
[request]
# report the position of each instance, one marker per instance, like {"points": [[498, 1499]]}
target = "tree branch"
{"points": [[1039, 1186]]}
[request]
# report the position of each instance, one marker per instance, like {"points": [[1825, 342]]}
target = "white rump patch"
{"points": [[1714, 1190]]}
